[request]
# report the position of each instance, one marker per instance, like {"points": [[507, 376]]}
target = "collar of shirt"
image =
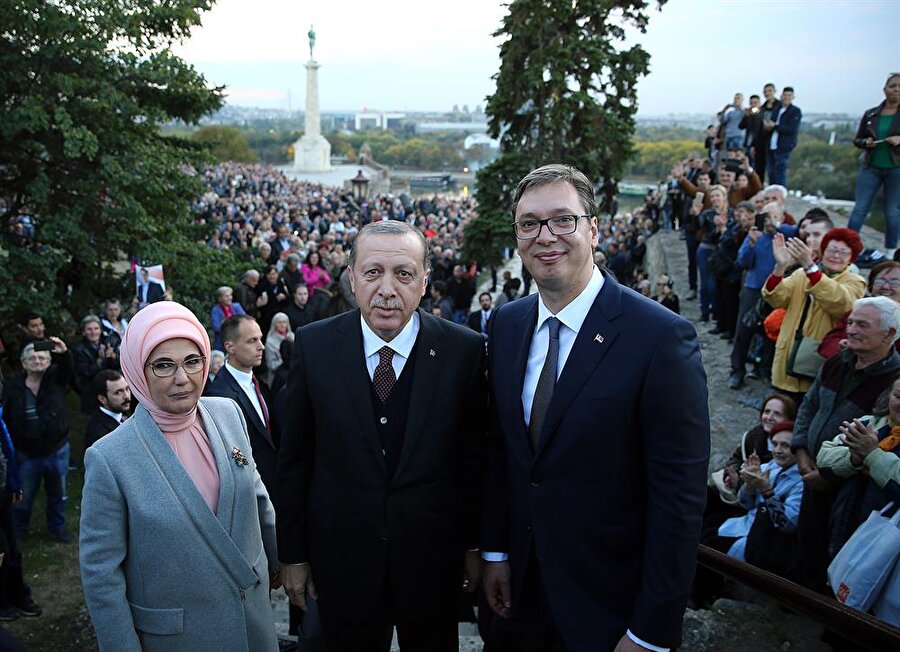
{"points": [[574, 314], [110, 414], [402, 345], [571, 317], [245, 382]]}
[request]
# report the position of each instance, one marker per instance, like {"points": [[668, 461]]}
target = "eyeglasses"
{"points": [[529, 229], [167, 368], [840, 253], [881, 282]]}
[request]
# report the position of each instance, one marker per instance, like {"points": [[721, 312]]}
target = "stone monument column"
{"points": [[312, 153]]}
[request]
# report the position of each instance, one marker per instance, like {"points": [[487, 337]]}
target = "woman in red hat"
{"points": [[814, 297]]}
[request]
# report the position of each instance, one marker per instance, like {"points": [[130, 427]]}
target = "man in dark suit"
{"points": [[380, 467], [782, 131], [597, 471], [242, 340], [480, 320], [149, 289], [113, 405]]}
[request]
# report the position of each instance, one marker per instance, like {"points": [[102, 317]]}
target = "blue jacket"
{"points": [[9, 452], [759, 260]]}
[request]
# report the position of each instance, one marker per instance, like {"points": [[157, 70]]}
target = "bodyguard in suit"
{"points": [[242, 339], [480, 320], [597, 472], [113, 405], [379, 473]]}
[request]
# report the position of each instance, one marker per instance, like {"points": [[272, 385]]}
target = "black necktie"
{"points": [[546, 383], [384, 377]]}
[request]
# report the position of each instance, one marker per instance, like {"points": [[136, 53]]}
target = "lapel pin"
{"points": [[239, 458], [598, 338], [432, 353]]}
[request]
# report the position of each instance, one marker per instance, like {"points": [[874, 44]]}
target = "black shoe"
{"points": [[29, 609], [704, 319], [692, 296], [736, 379], [715, 331], [753, 374], [63, 536], [727, 336], [8, 614]]}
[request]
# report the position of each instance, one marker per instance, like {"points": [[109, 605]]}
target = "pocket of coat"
{"points": [[158, 621]]}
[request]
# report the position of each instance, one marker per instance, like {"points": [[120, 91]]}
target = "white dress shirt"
{"points": [[402, 345], [571, 318], [245, 382], [112, 415]]}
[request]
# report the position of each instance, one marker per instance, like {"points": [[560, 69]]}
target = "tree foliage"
{"points": [[225, 143], [565, 93], [86, 85]]}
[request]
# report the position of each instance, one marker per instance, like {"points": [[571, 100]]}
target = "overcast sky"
{"points": [[428, 55]]}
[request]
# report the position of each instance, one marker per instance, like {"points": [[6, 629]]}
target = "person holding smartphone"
{"points": [[35, 411]]}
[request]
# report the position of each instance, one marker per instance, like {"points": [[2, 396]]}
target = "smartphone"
{"points": [[46, 345], [699, 197], [760, 221]]}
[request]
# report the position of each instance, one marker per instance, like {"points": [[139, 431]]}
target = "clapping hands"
{"points": [[860, 438], [755, 479]]}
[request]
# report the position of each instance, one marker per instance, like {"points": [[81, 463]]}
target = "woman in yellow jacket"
{"points": [[829, 284]]}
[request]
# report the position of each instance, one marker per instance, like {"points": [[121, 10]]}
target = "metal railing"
{"points": [[852, 624]]}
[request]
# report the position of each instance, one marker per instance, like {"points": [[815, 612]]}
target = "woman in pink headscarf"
{"points": [[177, 530]]}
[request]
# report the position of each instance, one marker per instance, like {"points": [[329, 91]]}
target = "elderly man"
{"points": [[34, 409], [778, 194], [380, 465], [249, 296], [599, 406], [845, 389]]}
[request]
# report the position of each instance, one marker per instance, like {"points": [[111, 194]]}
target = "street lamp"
{"points": [[360, 186]]}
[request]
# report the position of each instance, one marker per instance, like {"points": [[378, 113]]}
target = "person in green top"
{"points": [[879, 138]]}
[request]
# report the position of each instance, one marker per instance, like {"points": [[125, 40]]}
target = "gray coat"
{"points": [[160, 570]]}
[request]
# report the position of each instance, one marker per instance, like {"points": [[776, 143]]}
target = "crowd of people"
{"points": [[784, 290]]}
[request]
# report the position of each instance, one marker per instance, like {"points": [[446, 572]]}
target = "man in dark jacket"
{"points": [[845, 389], [782, 131], [34, 409], [113, 396]]}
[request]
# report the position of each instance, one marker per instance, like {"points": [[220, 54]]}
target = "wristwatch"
{"points": [[812, 269]]}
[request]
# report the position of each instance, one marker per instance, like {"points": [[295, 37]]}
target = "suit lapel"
{"points": [[521, 345], [248, 408], [350, 357], [185, 492], [429, 366], [596, 337]]}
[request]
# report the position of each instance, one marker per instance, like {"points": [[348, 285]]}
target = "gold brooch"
{"points": [[239, 458]]}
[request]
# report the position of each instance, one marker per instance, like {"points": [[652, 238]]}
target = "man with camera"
{"points": [[755, 256], [665, 294], [34, 409]]}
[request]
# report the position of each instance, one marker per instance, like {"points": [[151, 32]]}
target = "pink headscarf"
{"points": [[153, 325]]}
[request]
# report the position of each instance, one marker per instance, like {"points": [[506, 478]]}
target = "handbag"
{"points": [[804, 360], [768, 547], [859, 572], [717, 478]]}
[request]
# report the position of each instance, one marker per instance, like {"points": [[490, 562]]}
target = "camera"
{"points": [[45, 345], [732, 162], [760, 221]]}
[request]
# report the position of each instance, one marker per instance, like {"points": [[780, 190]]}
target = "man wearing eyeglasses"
{"points": [[597, 475]]}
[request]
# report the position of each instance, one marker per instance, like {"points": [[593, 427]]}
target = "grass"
{"points": [[51, 568]]}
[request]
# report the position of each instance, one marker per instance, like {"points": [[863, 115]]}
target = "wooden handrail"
{"points": [[855, 625]]}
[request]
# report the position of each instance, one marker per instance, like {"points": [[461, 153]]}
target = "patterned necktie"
{"points": [[384, 377], [262, 403], [546, 383]]}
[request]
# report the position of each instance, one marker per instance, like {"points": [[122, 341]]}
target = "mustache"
{"points": [[388, 304]]}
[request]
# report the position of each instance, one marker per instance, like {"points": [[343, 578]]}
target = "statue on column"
{"points": [[312, 42]]}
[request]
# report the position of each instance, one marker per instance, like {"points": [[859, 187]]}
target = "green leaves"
{"points": [[565, 94], [87, 85]]}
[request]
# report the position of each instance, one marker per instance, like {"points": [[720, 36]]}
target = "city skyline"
{"points": [[408, 56]]}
